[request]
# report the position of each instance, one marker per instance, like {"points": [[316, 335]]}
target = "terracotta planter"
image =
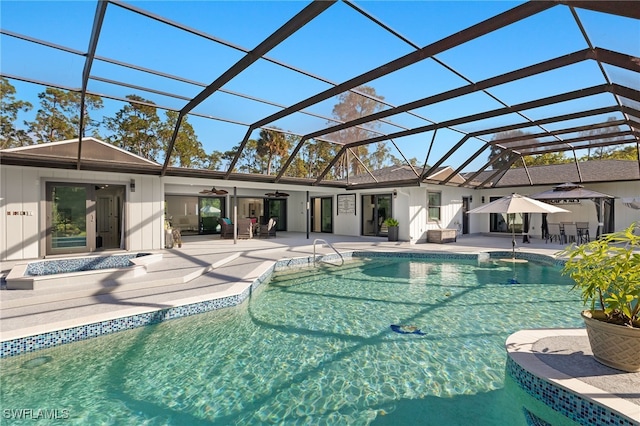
{"points": [[613, 345]]}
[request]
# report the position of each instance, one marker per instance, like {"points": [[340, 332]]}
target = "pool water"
{"points": [[313, 347]]}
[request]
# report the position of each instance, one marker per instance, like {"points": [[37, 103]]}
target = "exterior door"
{"points": [[322, 214], [276, 208], [375, 209], [70, 218], [210, 209], [109, 215]]}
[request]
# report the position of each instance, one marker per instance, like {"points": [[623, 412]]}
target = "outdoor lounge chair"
{"points": [[268, 230], [226, 227], [245, 228]]}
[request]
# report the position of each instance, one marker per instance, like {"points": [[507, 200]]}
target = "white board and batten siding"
{"points": [[23, 189]]}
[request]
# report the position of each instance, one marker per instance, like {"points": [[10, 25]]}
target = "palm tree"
{"points": [[272, 144]]}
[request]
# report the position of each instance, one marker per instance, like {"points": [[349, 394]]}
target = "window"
{"points": [[433, 203]]}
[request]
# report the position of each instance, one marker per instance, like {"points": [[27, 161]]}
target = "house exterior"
{"points": [[120, 201]]}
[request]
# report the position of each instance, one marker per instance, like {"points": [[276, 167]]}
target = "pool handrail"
{"points": [[317, 240]]}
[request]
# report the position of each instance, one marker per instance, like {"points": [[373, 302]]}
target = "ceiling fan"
{"points": [[214, 191], [276, 194]]}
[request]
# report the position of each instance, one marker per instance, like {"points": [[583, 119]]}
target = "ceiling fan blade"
{"points": [[214, 191]]}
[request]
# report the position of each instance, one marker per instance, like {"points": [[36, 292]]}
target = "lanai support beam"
{"points": [[294, 24], [98, 19], [489, 25], [576, 94]]}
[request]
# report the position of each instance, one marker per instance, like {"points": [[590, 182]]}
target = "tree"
{"points": [[598, 136], [136, 128], [10, 136], [187, 149], [397, 161], [59, 115], [351, 106], [544, 159], [380, 156], [317, 155], [272, 145], [628, 152], [250, 161], [214, 160], [244, 161], [505, 156]]}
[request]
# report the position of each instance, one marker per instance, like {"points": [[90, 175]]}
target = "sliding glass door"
{"points": [[84, 217], [211, 209], [194, 215], [322, 214], [276, 208], [375, 209], [69, 211]]}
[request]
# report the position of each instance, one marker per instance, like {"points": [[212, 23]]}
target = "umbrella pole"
{"points": [[513, 240]]}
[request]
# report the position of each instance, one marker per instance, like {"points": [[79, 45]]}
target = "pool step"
{"points": [[152, 279]]}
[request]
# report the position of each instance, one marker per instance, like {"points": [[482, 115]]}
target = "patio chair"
{"points": [[245, 228], [268, 230], [583, 231], [554, 233], [226, 227], [571, 233]]}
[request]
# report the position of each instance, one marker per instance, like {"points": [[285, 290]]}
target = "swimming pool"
{"points": [[313, 346]]}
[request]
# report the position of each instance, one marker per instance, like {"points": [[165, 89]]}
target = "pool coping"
{"points": [[525, 367]]}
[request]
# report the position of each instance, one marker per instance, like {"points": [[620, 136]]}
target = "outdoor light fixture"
{"points": [[132, 185], [395, 194]]}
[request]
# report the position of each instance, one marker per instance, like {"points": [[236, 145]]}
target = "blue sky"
{"points": [[336, 46]]}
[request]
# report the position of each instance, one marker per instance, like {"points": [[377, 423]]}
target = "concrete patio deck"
{"points": [[206, 267]]}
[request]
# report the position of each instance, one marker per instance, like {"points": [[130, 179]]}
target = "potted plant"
{"points": [[392, 226], [607, 272]]}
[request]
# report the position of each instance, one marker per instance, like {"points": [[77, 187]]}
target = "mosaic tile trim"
{"points": [[62, 266], [417, 255], [534, 257], [533, 420], [573, 406], [55, 338]]}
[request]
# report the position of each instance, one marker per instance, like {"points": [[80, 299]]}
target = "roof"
{"points": [[450, 78], [585, 172], [399, 174], [94, 152]]}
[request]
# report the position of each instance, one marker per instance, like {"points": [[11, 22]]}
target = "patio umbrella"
{"points": [[516, 203], [210, 210]]}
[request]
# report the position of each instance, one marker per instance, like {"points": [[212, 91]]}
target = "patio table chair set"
{"points": [[568, 232], [247, 228]]}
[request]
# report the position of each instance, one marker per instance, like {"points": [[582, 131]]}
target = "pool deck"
{"points": [[206, 268]]}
